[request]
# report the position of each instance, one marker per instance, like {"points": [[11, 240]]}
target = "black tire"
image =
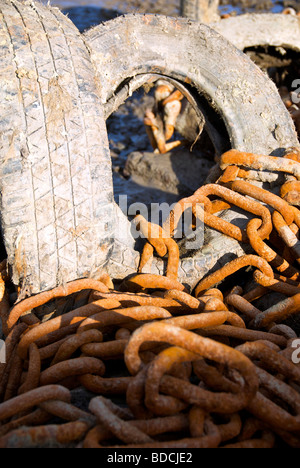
{"points": [[133, 50], [55, 176]]}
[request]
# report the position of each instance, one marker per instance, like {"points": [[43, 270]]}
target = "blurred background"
{"points": [[87, 13]]}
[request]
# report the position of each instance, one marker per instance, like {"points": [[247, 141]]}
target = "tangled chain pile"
{"points": [[166, 368]]}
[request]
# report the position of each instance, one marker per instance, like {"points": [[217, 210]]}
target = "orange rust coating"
{"points": [[11, 343], [106, 350], [244, 174], [51, 349], [242, 305], [173, 258], [153, 233], [275, 285], [264, 251], [283, 330], [45, 342], [290, 192], [297, 220], [4, 301], [231, 268], [206, 319], [196, 421], [120, 316], [164, 405], [264, 196], [163, 91], [286, 234], [283, 279], [29, 319], [266, 441], [175, 96], [192, 394], [150, 130], [3, 268], [71, 367], [211, 439], [232, 428], [287, 253], [2, 288], [222, 402], [244, 334], [229, 175], [51, 434], [250, 427], [214, 292], [67, 411], [33, 398], [204, 347], [72, 318], [46, 296], [190, 202], [213, 377], [236, 290], [151, 427], [275, 361], [105, 386], [71, 344], [105, 279], [155, 132], [294, 228], [171, 111], [14, 377], [121, 411], [214, 304], [183, 297], [122, 334], [219, 205], [34, 418], [145, 257], [169, 131], [260, 162], [293, 154], [221, 225], [150, 281], [265, 408], [133, 299], [34, 370], [135, 395], [246, 204], [123, 430], [170, 246], [278, 312]]}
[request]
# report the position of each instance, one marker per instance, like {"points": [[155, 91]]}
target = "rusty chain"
{"points": [[208, 368]]}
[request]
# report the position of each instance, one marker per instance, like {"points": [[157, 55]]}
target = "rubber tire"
{"points": [[128, 50], [133, 50], [264, 29], [55, 179]]}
